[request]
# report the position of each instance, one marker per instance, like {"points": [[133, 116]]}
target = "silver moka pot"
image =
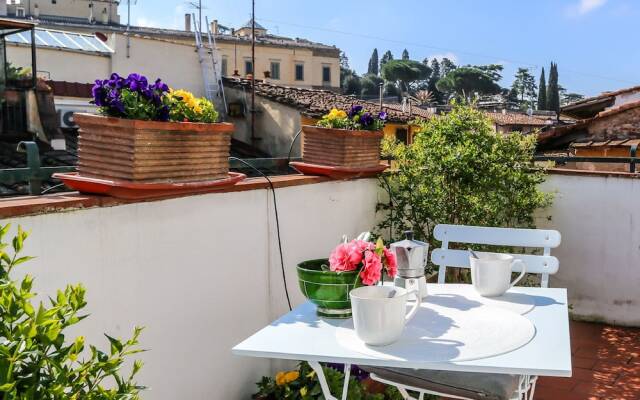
{"points": [[412, 259]]}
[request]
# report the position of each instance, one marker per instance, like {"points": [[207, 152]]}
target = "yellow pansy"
{"points": [[336, 114], [282, 378]]}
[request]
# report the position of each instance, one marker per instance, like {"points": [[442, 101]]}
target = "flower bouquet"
{"points": [[149, 133], [344, 141], [327, 282]]}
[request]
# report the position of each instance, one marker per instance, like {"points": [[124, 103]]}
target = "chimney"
{"points": [[214, 27], [187, 22]]}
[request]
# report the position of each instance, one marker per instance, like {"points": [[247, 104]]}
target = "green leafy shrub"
{"points": [[460, 171], [36, 359]]}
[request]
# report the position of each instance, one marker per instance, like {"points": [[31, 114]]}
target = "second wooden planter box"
{"points": [[152, 151], [341, 147]]}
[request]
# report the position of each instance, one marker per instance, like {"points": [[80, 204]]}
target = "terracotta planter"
{"points": [[341, 147], [152, 151]]}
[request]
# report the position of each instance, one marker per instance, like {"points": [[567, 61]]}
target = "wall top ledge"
{"points": [[63, 202]]}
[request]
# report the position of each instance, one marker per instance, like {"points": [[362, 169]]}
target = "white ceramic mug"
{"points": [[378, 319], [491, 273]]}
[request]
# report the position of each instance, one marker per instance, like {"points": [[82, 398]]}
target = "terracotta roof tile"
{"points": [[604, 95], [315, 103], [519, 119]]}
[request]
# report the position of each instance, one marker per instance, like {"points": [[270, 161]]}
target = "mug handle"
{"points": [[524, 271], [414, 310]]}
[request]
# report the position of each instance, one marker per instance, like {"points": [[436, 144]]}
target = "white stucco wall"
{"points": [[276, 124], [62, 65], [599, 220], [201, 273]]}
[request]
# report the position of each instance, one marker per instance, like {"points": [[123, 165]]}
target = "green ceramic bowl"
{"points": [[328, 290]]}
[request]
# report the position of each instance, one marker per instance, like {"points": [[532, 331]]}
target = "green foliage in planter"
{"points": [[460, 171], [306, 386], [37, 361]]}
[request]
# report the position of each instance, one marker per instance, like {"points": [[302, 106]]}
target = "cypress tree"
{"points": [[542, 92], [373, 63], [405, 54], [553, 90], [385, 57]]}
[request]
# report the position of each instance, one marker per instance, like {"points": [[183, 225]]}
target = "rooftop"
{"points": [[69, 23], [315, 103]]}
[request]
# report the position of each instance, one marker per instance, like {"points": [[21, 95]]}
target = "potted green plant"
{"points": [[343, 143], [327, 282], [149, 133]]}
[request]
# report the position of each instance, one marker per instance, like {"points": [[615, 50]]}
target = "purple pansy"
{"points": [[108, 95]]}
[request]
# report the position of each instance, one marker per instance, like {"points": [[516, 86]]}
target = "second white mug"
{"points": [[491, 273]]}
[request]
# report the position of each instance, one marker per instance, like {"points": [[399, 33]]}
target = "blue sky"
{"points": [[594, 42]]}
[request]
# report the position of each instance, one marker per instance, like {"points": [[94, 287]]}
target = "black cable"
{"points": [[292, 143], [51, 188], [275, 208]]}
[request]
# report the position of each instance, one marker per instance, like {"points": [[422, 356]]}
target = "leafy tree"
{"points": [[36, 359], [553, 90], [349, 80], [494, 71], [446, 66], [391, 89], [459, 170], [386, 57], [524, 86], [568, 98], [405, 54], [373, 63], [370, 85], [542, 92], [351, 83], [468, 81], [405, 72], [433, 80], [344, 60]]}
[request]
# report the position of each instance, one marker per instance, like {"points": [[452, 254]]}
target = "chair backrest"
{"points": [[543, 264]]}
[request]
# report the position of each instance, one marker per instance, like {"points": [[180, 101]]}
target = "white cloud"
{"points": [[585, 6], [144, 21], [440, 56]]}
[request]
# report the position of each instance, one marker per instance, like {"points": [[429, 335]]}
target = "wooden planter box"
{"points": [[341, 147], [152, 151]]}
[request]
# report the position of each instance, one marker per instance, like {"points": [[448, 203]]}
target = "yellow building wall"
{"points": [[237, 54]]}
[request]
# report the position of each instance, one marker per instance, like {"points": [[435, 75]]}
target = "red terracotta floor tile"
{"points": [[606, 365]]}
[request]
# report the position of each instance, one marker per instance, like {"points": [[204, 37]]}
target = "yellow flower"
{"points": [[282, 377], [336, 114], [303, 391]]}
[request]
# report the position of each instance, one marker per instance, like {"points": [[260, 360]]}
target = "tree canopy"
{"points": [[373, 63], [524, 86], [467, 81], [405, 72], [542, 92], [553, 90]]}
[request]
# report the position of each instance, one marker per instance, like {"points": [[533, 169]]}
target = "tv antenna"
{"points": [[197, 5]]}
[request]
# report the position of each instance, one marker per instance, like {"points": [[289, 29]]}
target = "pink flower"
{"points": [[372, 269], [392, 263], [341, 258]]}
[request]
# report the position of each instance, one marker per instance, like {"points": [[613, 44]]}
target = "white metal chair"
{"points": [[464, 385]]}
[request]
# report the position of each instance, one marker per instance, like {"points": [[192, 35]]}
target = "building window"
{"points": [[54, 1], [20, 12], [402, 135], [248, 67], [275, 69], [299, 72], [223, 66], [326, 74]]}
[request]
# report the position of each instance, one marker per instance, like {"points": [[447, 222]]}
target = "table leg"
{"points": [[345, 386], [323, 380]]}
